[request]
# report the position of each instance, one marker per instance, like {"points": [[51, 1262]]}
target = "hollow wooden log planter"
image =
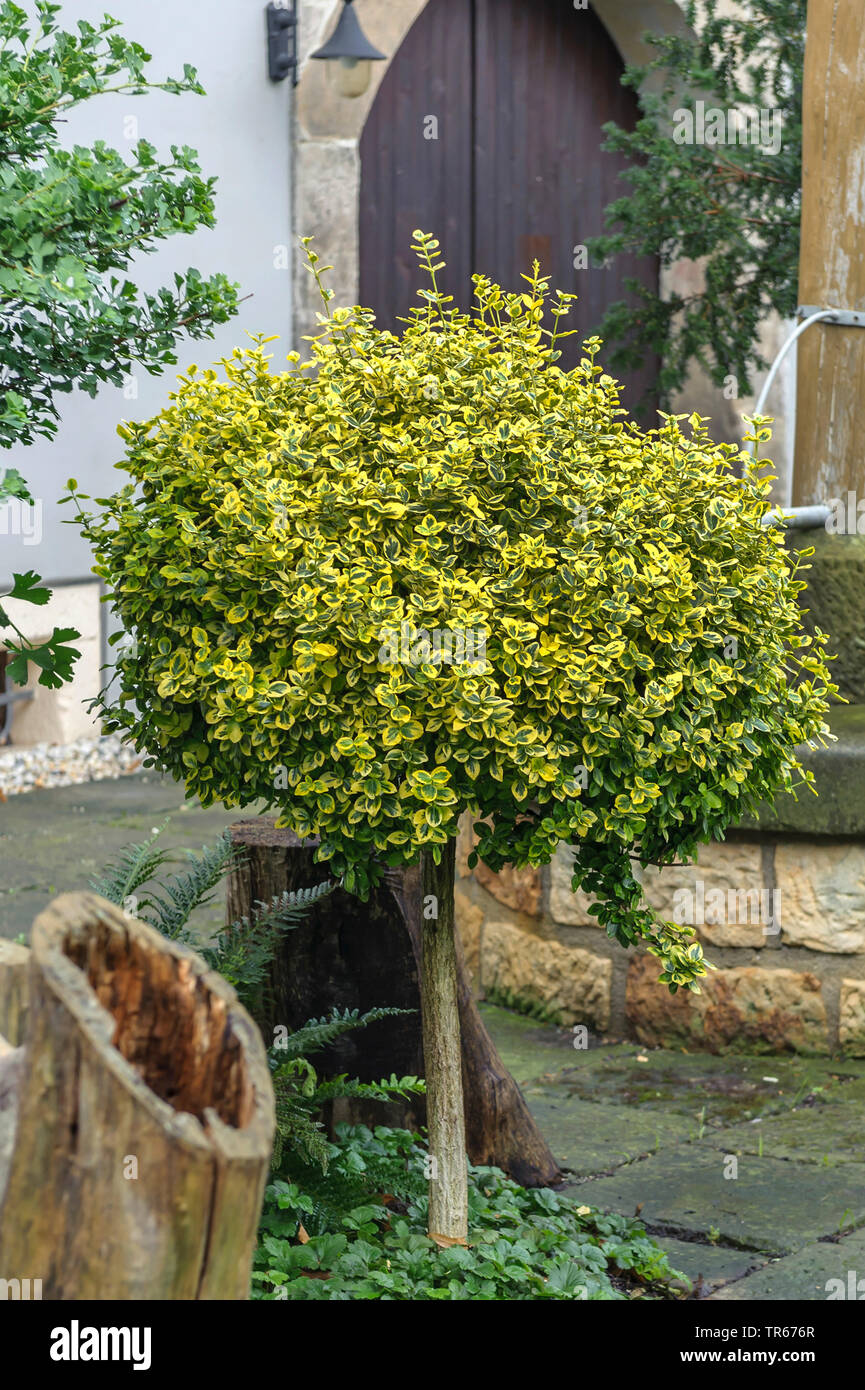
{"points": [[350, 954], [136, 1118]]}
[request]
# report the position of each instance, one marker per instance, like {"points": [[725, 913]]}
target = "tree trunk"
{"points": [[144, 1118], [448, 1179], [358, 955]]}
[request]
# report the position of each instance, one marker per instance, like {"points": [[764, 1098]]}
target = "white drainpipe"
{"points": [[804, 518]]}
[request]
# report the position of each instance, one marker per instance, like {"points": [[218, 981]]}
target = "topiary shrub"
{"points": [[434, 573]]}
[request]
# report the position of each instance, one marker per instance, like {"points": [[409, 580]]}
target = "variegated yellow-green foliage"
{"points": [[294, 544]]}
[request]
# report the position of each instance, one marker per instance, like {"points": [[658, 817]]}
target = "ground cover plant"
{"points": [[437, 574], [359, 1232]]}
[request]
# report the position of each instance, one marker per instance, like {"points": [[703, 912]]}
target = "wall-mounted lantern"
{"points": [[350, 53]]}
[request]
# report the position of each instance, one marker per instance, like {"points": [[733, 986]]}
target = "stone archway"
{"points": [[327, 128]]}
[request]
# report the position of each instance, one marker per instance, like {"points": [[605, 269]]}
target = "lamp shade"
{"points": [[348, 41]]}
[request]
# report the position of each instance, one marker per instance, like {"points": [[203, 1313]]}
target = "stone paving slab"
{"points": [[773, 1204], [806, 1274], [55, 841], [825, 1134], [715, 1264], [721, 1090], [588, 1138]]}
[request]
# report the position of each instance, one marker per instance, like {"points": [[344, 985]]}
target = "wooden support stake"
{"points": [[830, 399], [440, 1017]]}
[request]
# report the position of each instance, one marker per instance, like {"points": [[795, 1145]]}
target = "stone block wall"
{"points": [[782, 918]]}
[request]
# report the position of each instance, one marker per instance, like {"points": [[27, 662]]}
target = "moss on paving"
{"points": [[710, 1089], [663, 1124], [770, 1204], [590, 1139], [527, 1047], [827, 1134], [713, 1264]]}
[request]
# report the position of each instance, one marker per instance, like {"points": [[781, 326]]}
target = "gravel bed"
{"points": [[44, 765]]}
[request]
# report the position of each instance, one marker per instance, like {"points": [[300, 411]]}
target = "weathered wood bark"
{"points": [[358, 955], [14, 970], [448, 1182], [10, 1074], [830, 408], [144, 1118]]}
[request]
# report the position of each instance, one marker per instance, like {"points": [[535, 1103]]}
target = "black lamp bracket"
{"points": [[282, 40]]}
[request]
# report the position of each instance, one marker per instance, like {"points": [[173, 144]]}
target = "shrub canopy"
{"points": [[293, 542]]}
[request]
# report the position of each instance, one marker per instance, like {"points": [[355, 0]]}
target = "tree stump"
{"points": [[346, 954], [143, 1126], [358, 955]]}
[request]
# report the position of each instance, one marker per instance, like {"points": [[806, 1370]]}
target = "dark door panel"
{"points": [[409, 181], [521, 90]]}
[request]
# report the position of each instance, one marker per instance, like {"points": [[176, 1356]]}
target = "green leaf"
{"points": [[54, 658], [29, 588]]}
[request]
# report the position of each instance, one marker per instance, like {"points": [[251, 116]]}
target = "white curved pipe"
{"points": [[797, 333], [797, 517]]}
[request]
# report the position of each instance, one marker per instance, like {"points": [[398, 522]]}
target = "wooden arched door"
{"points": [[486, 131]]}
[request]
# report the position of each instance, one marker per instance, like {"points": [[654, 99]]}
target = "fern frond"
{"points": [[339, 1190], [284, 909], [134, 866], [320, 1032], [394, 1089], [300, 1133], [180, 896], [299, 1095], [243, 951]]}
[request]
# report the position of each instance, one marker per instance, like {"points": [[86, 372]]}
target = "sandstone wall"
{"points": [[783, 919]]}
